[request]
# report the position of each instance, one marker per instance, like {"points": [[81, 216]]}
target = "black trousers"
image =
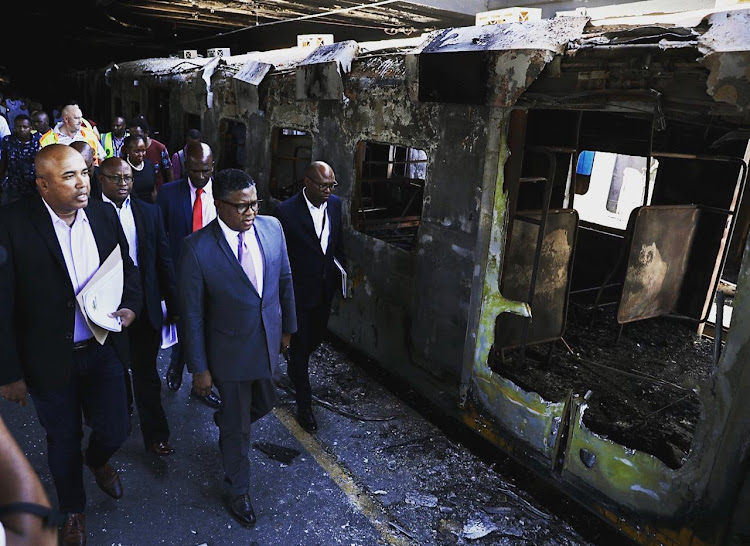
{"points": [[146, 390], [96, 390], [243, 402], [311, 328]]}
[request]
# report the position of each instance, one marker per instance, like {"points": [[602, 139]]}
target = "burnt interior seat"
{"points": [[653, 262]]}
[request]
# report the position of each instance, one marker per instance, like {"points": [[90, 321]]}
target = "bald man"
{"points": [[187, 205], [71, 129], [312, 226], [55, 242]]}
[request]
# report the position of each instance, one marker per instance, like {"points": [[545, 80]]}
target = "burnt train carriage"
{"points": [[537, 214]]}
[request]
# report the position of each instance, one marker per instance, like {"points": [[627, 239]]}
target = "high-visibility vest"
{"points": [[51, 137], [108, 141]]}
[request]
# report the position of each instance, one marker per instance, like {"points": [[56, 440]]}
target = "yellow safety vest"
{"points": [[51, 137]]}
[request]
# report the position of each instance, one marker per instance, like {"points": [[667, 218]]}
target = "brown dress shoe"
{"points": [[74, 530], [161, 448], [108, 480]]}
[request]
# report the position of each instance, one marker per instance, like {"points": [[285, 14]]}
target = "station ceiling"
{"points": [[52, 38]]}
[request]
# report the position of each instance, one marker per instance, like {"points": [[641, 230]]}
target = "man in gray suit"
{"points": [[237, 313]]}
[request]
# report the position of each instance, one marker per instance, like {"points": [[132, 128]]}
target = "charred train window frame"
{"points": [[378, 179], [297, 162]]}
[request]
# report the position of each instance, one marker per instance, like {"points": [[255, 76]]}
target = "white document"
{"points": [[344, 278], [168, 331], [102, 295]]}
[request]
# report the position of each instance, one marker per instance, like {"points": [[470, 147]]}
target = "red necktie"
{"points": [[198, 210]]}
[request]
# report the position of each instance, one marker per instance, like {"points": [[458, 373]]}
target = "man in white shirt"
{"points": [[57, 240], [149, 250], [72, 128], [312, 226]]}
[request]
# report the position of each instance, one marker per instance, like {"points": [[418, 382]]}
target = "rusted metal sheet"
{"points": [[319, 76], [547, 34], [657, 262], [492, 64], [253, 72], [246, 82], [726, 54], [552, 282]]}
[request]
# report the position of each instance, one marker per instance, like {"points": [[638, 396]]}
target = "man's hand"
{"points": [[126, 316], [15, 392], [285, 339], [202, 383]]}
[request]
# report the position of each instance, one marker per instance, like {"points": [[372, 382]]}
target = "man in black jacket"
{"points": [[53, 244], [149, 250], [312, 226]]}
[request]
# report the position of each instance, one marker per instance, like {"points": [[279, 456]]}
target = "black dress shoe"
{"points": [[212, 399], [74, 530], [306, 420], [160, 448], [242, 509], [174, 378], [108, 480]]}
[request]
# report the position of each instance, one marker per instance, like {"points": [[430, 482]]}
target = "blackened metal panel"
{"points": [[657, 261], [552, 282]]}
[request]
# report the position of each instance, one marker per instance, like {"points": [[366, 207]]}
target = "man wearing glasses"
{"points": [[237, 312], [312, 226], [149, 250]]}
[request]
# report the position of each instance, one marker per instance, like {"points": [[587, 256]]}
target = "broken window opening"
{"points": [[647, 263], [609, 186], [389, 192], [233, 136], [291, 153]]}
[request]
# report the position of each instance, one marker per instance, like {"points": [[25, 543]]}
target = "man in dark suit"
{"points": [[54, 243], [187, 205], [237, 313], [312, 226], [149, 250]]}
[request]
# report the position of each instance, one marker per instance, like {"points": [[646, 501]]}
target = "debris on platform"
{"points": [[419, 499], [279, 453]]}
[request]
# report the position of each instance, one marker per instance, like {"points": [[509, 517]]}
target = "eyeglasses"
{"points": [[118, 179], [242, 208], [322, 187]]}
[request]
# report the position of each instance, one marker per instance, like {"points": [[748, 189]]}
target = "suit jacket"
{"points": [[226, 326], [174, 201], [96, 185], [316, 277], [154, 262], [37, 302]]}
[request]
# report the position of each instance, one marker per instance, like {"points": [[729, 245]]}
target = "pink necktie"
{"points": [[246, 260]]}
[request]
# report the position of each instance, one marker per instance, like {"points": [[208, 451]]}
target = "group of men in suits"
{"points": [[248, 287]]}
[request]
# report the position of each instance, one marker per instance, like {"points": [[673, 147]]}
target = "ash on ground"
{"points": [[433, 489]]}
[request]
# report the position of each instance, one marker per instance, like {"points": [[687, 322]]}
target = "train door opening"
{"points": [[233, 136], [291, 153], [158, 114], [617, 238]]}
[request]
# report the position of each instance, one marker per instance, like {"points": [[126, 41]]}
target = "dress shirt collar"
{"points": [[80, 216], [125, 204], [312, 207], [206, 189], [231, 235]]}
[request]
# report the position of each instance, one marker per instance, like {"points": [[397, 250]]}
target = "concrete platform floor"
{"points": [[377, 472]]}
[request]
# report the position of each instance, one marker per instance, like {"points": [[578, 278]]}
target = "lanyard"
{"points": [[322, 227]]}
